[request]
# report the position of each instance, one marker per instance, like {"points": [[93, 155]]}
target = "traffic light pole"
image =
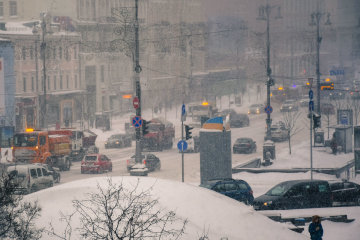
{"points": [[311, 155], [182, 152], [137, 84]]}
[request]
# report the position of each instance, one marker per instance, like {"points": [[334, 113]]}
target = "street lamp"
{"points": [[315, 21], [264, 14]]}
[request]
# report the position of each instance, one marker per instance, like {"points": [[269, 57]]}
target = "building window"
{"points": [[13, 8], [54, 53], [48, 53], [42, 83], [67, 81], [24, 84], [32, 83], [102, 73], [31, 53], [23, 53], [61, 82], [37, 85], [60, 52], [54, 82], [48, 82], [76, 81], [75, 52], [1, 9]]}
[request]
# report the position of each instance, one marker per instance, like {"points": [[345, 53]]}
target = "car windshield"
{"points": [[91, 158], [255, 106], [154, 127], [25, 140], [279, 189], [289, 102], [115, 137], [243, 140]]}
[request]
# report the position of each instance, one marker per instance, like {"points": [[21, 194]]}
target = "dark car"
{"points": [[244, 145], [256, 109], [96, 163], [345, 193], [296, 194], [118, 141], [233, 188], [235, 119], [151, 162]]}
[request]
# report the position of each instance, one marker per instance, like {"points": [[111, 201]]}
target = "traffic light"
{"points": [[187, 131], [145, 127], [317, 120]]}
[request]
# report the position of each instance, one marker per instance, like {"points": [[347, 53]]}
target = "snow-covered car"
{"points": [[118, 141], [151, 162], [256, 109], [278, 132], [289, 106]]}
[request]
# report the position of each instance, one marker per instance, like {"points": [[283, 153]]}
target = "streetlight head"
{"points": [[328, 22]]}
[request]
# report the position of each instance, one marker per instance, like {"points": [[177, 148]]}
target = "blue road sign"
{"points": [[311, 94], [268, 109], [182, 145], [137, 121], [311, 105], [183, 111]]}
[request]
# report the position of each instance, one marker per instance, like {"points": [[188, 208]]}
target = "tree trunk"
{"points": [[289, 137]]}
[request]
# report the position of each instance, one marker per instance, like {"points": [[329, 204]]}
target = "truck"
{"points": [[204, 110], [160, 135], [81, 141], [49, 147]]}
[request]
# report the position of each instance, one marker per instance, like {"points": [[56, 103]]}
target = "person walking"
{"points": [[315, 228]]}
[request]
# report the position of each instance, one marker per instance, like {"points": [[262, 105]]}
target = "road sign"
{"points": [[311, 105], [311, 94], [182, 145], [136, 102], [183, 111], [268, 109], [137, 121]]}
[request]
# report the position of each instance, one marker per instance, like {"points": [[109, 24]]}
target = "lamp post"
{"points": [[264, 14], [315, 21]]}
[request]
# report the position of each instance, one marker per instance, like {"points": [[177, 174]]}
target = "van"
{"points": [[30, 178], [296, 194]]}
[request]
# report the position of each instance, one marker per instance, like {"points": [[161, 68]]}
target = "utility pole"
{"points": [[264, 14], [137, 83], [43, 56], [316, 20]]}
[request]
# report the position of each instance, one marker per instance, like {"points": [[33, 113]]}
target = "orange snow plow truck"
{"points": [[48, 147]]}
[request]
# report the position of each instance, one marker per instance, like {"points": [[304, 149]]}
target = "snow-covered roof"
{"points": [[66, 92]]}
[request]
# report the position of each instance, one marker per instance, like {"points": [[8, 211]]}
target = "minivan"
{"points": [[30, 177], [296, 194]]}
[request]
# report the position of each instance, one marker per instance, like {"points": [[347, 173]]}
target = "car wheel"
{"points": [[58, 179], [255, 149], [158, 167], [82, 171], [110, 169], [358, 201]]}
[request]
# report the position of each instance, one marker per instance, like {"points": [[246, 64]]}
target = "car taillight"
{"points": [[145, 162], [127, 162], [251, 192]]}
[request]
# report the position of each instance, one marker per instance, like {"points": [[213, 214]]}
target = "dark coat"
{"points": [[316, 231]]}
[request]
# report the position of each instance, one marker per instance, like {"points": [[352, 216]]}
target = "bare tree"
{"points": [[290, 119], [115, 212], [16, 216]]}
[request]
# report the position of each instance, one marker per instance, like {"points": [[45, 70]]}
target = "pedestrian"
{"points": [[315, 228]]}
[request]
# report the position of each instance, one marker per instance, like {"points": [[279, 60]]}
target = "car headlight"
{"points": [[257, 110], [290, 107], [267, 203], [249, 112], [106, 143], [117, 142]]}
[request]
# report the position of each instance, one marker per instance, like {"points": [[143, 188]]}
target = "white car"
{"points": [[30, 177]]}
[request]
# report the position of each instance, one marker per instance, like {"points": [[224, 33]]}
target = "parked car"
{"points": [[345, 193], [96, 163], [235, 119], [151, 162], [289, 106], [244, 145], [296, 194], [237, 189], [30, 178], [118, 141], [55, 173], [327, 108], [256, 109], [279, 132]]}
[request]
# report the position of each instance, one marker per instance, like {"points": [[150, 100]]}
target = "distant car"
{"points": [[118, 141], [244, 145], [279, 132], [256, 109], [337, 95], [304, 102], [289, 106], [30, 178], [151, 162], [193, 145], [235, 119], [296, 194], [327, 108], [345, 193], [52, 171], [237, 189], [96, 163]]}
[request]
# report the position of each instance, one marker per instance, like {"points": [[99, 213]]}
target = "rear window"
{"points": [[279, 189], [323, 187], [242, 186], [243, 140], [33, 173], [91, 158]]}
